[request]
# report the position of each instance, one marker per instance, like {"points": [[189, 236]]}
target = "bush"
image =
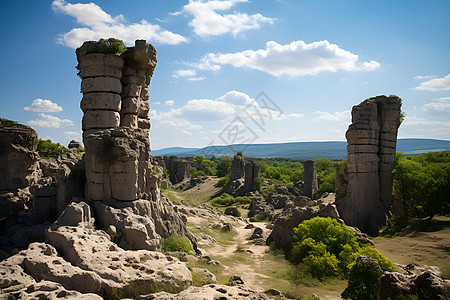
{"points": [[261, 216], [329, 248], [224, 181], [176, 243], [48, 149], [228, 200], [115, 46], [163, 186], [363, 282]]}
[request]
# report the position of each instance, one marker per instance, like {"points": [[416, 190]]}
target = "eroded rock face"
{"points": [[242, 177], [19, 166], [372, 139]]}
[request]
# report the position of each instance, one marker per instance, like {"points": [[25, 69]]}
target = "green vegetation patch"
{"points": [[48, 149], [228, 200], [176, 243], [328, 248], [422, 183]]}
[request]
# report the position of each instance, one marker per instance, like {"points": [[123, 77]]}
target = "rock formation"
{"points": [[19, 167], [179, 168], [372, 139], [425, 282], [310, 176], [121, 179], [242, 177], [115, 121]]}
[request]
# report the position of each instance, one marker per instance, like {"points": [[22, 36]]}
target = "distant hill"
{"points": [[303, 150]]}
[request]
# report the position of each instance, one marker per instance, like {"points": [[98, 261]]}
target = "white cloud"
{"points": [[294, 59], [236, 98], [169, 102], [420, 77], [184, 73], [49, 121], [40, 105], [442, 105], [295, 115], [416, 121], [205, 110], [99, 24], [435, 84], [197, 78], [208, 22], [343, 116]]}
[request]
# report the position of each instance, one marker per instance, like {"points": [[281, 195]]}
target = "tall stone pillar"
{"points": [[310, 178], [372, 139], [115, 122]]}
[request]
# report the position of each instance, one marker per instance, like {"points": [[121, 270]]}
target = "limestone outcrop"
{"points": [[115, 121], [179, 168], [310, 175], [372, 139], [242, 177], [19, 167]]}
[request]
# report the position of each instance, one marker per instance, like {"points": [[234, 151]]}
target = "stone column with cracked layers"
{"points": [[310, 176], [371, 147], [115, 121]]}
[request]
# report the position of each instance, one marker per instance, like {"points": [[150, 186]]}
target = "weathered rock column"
{"points": [[115, 121], [372, 139], [310, 178]]}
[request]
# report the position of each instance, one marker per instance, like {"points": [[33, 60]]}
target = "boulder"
{"points": [[50, 290], [76, 214], [257, 234], [425, 282], [232, 211], [281, 234]]}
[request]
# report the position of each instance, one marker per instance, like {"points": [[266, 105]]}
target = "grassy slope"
{"points": [[420, 247]]}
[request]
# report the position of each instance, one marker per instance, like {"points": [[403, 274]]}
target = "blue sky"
{"points": [[311, 60]]}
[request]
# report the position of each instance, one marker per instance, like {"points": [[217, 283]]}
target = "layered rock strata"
{"points": [[115, 122], [120, 176], [372, 139]]}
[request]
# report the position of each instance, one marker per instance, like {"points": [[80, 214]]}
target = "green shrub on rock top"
{"points": [[115, 46], [329, 248]]}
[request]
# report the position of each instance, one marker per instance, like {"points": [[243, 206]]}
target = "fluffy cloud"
{"points": [[442, 105], [294, 59], [169, 102], [99, 24], [49, 121], [40, 105], [208, 22], [189, 73], [343, 116], [184, 73], [416, 121], [435, 84]]}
